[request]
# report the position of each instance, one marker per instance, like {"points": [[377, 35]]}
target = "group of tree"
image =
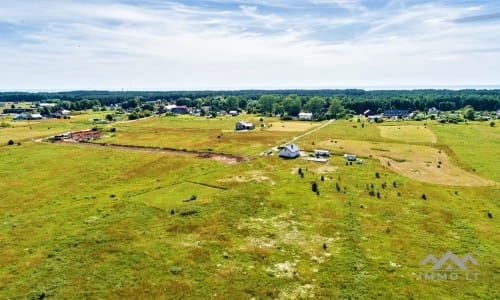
{"points": [[322, 103]]}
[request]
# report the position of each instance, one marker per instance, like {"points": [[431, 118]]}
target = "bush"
{"points": [[113, 129], [10, 142], [492, 124], [424, 197], [377, 175], [314, 187]]}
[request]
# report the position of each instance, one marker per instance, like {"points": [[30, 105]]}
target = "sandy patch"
{"points": [[417, 162], [408, 134]]}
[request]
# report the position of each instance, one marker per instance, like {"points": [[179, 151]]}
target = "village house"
{"points": [[180, 110], [305, 116], [433, 110], [290, 151], [17, 110], [367, 113], [242, 125], [375, 119], [395, 113]]}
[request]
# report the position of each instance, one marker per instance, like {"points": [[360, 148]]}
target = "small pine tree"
{"points": [[377, 175], [322, 178], [424, 197]]}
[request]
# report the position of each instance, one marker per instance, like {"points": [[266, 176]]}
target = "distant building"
{"points": [[305, 116], [367, 113], [395, 113], [34, 117], [375, 119], [17, 110], [242, 125], [433, 110], [180, 110], [233, 113], [290, 151]]}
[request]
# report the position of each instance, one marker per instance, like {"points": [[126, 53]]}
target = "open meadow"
{"points": [[81, 222]]}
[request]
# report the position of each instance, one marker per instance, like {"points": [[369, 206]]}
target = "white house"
{"points": [[433, 110], [290, 151], [305, 116], [242, 125]]}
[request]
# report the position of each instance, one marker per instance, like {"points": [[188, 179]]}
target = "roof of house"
{"points": [[395, 112], [292, 148]]}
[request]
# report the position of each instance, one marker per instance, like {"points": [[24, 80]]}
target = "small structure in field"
{"points": [[319, 153], [375, 119], [233, 113], [290, 151], [180, 110], [305, 116], [242, 125], [350, 157]]}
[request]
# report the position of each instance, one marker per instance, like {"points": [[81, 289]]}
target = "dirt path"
{"points": [[304, 134], [223, 157]]}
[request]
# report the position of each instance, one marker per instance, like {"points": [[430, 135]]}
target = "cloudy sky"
{"points": [[238, 44]]}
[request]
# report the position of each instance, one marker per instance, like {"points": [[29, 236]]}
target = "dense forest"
{"points": [[322, 103]]}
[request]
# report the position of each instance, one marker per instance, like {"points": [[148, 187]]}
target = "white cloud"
{"points": [[111, 45]]}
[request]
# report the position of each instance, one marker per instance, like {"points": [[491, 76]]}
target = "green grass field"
{"points": [[99, 222]]}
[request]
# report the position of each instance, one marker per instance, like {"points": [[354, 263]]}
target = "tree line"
{"points": [[322, 103]]}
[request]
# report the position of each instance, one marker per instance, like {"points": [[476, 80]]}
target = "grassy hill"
{"points": [[101, 222]]}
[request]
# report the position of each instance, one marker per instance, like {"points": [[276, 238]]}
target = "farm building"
{"points": [[375, 119], [17, 110], [180, 110], [290, 151], [242, 125], [34, 117], [395, 113], [350, 157], [322, 153], [367, 113], [305, 116]]}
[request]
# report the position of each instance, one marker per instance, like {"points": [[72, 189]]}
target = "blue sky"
{"points": [[237, 44]]}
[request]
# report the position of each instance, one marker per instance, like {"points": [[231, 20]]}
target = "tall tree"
{"points": [[336, 109], [266, 103], [292, 105], [232, 102], [315, 105]]}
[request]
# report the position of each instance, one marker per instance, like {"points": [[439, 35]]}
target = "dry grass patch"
{"points": [[256, 176], [295, 126], [421, 163], [408, 133]]}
